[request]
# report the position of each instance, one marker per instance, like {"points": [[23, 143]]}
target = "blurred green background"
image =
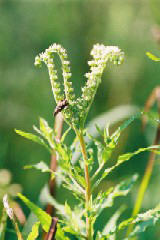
{"points": [[28, 28]]}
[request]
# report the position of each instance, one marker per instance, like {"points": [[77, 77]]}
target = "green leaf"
{"points": [[153, 57], [34, 233], [48, 133], [130, 120], [127, 156], [34, 138], [123, 158], [99, 130], [41, 166], [68, 209], [65, 134], [106, 199], [71, 184], [60, 233], [113, 116], [142, 221], [44, 218], [112, 223]]}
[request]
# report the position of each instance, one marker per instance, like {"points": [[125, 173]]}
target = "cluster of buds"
{"points": [[77, 109]]}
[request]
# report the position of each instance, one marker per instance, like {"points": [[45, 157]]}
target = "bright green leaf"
{"points": [[34, 138], [60, 233], [121, 189], [34, 233], [41, 166], [44, 218], [111, 224]]}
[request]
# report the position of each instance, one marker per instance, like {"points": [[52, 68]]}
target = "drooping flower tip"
{"points": [[7, 207], [102, 53]]}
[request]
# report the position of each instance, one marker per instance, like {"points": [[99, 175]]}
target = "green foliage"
{"points": [[34, 233], [80, 179], [33, 137], [144, 220], [42, 216], [41, 166], [141, 221], [105, 200], [60, 233]]}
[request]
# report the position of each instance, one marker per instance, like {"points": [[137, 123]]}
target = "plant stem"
{"points": [[53, 165], [19, 234], [88, 185]]}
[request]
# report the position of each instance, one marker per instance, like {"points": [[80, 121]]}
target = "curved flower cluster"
{"points": [[48, 58], [77, 109], [101, 54]]}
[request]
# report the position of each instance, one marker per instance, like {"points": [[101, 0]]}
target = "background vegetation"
{"points": [[28, 28]]}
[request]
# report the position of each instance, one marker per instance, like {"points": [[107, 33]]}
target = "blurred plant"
{"points": [[11, 190], [81, 179]]}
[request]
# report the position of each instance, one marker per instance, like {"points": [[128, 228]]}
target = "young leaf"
{"points": [[68, 209], [111, 224], [142, 221], [130, 120], [113, 116], [60, 233], [44, 218], [121, 189], [123, 158], [34, 138], [41, 166], [65, 134], [34, 233]]}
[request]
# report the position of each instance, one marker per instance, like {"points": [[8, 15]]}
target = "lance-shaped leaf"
{"points": [[34, 138], [142, 221], [74, 223], [112, 223], [123, 158], [47, 132], [106, 199], [41, 166], [44, 218]]}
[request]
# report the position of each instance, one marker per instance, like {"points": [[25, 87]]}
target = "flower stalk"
{"points": [[88, 186]]}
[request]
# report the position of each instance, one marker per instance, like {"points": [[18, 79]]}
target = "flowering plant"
{"points": [[82, 179]]}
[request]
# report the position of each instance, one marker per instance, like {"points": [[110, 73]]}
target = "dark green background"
{"points": [[28, 28]]}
